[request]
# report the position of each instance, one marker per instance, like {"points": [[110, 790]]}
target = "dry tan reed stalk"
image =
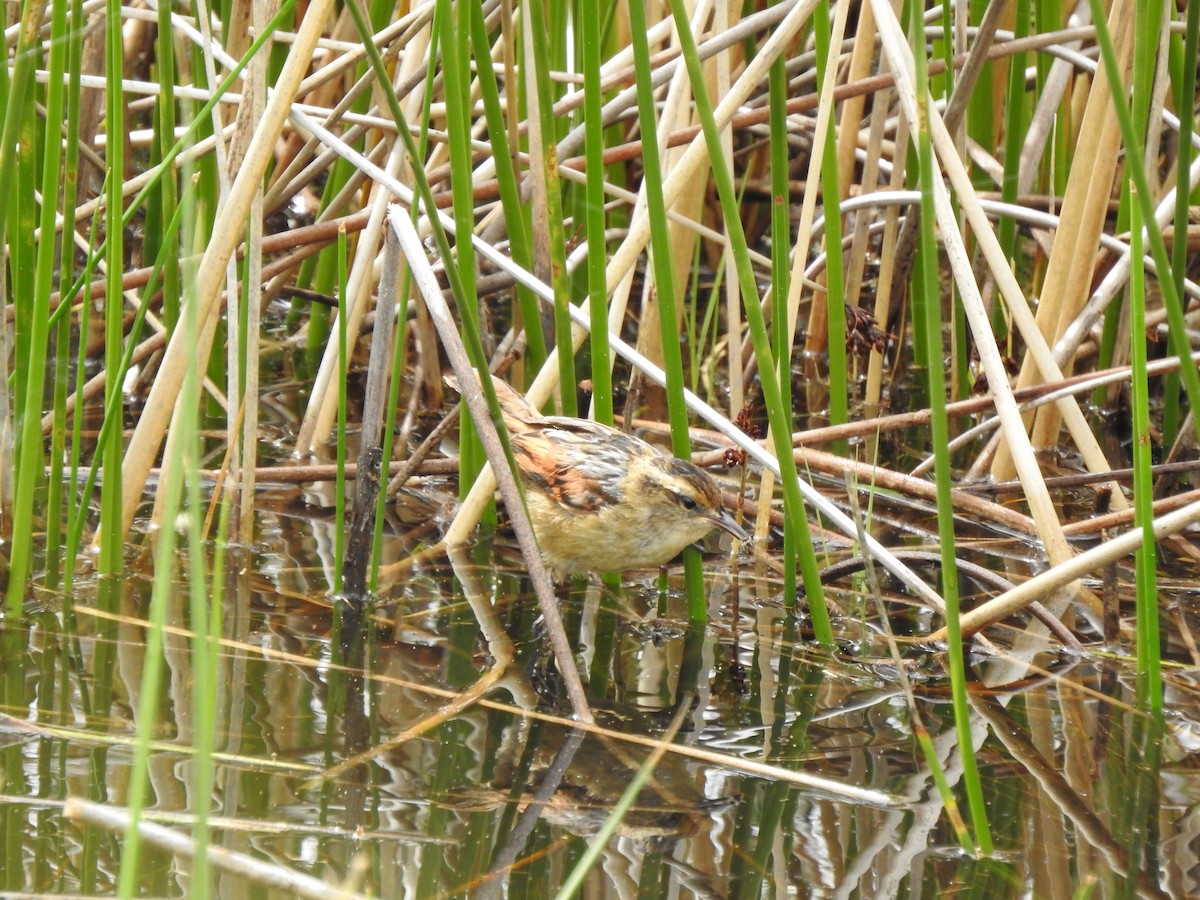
{"points": [[849, 130], [165, 394], [1041, 505], [817, 330], [321, 413], [1082, 219], [888, 255], [255, 89]]}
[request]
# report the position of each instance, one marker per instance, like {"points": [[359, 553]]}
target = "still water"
{"points": [[424, 747]]}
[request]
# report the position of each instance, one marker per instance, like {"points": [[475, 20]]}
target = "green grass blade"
{"points": [[591, 40], [927, 318], [777, 414], [835, 281], [506, 179], [343, 314], [664, 281], [455, 70], [539, 55]]}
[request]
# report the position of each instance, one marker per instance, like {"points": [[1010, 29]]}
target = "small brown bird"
{"points": [[601, 500]]}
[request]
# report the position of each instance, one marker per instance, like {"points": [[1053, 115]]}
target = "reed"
{"points": [[927, 320], [796, 527], [831, 192], [339, 508], [1183, 78], [1146, 41], [591, 43], [664, 292]]}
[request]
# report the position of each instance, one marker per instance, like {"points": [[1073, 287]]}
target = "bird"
{"points": [[601, 500]]}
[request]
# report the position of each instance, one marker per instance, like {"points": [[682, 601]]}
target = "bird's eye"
{"points": [[687, 502]]}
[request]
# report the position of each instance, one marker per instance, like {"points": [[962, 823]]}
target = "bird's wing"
{"points": [[579, 464]]}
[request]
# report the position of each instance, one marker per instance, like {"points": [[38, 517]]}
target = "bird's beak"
{"points": [[726, 523]]}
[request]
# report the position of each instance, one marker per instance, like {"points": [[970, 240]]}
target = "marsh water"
{"points": [[422, 745]]}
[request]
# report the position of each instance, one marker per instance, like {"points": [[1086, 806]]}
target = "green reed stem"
{"points": [[167, 188], [835, 281], [927, 318], [166, 570], [55, 514], [339, 500], [943, 85], [707, 333], [31, 459], [58, 518], [510, 191], [114, 303], [1186, 88], [30, 333], [22, 266], [1149, 680], [77, 502], [689, 331], [778, 415], [19, 107], [1149, 666], [981, 112], [1145, 750], [539, 56], [205, 626], [455, 53], [781, 271], [399, 345], [664, 280], [591, 41]]}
